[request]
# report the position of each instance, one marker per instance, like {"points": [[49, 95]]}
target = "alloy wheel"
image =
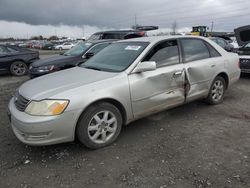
{"points": [[102, 127]]}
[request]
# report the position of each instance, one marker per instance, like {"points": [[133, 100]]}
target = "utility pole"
{"points": [[55, 32], [212, 27], [83, 31], [135, 20]]}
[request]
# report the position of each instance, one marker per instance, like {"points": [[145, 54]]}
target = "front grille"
{"points": [[20, 102], [245, 63]]}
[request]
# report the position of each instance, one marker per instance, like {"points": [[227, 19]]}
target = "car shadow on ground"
{"points": [[245, 76], [134, 133]]}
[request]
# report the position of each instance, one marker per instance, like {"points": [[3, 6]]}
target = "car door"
{"points": [[153, 91], [4, 59], [201, 61]]}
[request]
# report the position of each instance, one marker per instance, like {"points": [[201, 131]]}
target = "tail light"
{"points": [[142, 33]]}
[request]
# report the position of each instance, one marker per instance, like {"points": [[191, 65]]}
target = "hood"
{"points": [[53, 60], [242, 35], [49, 85]]}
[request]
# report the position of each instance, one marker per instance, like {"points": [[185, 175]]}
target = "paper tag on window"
{"points": [[87, 44], [133, 48]]}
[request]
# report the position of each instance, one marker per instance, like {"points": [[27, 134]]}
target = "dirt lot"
{"points": [[194, 145]]}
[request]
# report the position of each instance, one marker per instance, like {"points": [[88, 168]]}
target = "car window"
{"points": [[112, 36], [165, 53], [78, 49], [248, 45], [194, 49], [116, 57], [222, 43], [3, 50], [213, 52], [12, 50], [98, 48], [96, 36]]}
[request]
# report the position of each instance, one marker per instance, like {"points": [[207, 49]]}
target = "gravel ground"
{"points": [[195, 145]]}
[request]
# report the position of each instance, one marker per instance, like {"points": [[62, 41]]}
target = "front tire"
{"points": [[18, 68], [217, 91], [99, 125]]}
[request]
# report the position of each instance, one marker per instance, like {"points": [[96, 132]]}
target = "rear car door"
{"points": [[153, 91], [201, 61]]}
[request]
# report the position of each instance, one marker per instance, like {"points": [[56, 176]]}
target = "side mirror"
{"points": [[228, 48], [145, 66], [88, 55]]}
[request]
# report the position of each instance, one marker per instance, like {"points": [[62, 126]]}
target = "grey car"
{"points": [[126, 81]]}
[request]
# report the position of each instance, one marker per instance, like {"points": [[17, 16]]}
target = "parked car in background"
{"points": [[71, 58], [64, 46], [245, 63], [127, 80], [24, 45], [117, 34], [16, 60], [223, 43], [46, 45], [244, 50], [244, 53], [243, 38]]}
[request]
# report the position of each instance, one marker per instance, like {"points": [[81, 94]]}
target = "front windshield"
{"points": [[116, 57], [78, 49]]}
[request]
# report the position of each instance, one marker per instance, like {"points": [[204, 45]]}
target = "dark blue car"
{"points": [[71, 58], [16, 60]]}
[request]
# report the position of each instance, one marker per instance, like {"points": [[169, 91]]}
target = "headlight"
{"points": [[46, 107], [46, 68]]}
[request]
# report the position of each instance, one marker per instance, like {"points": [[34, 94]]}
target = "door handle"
{"points": [[178, 73], [213, 65]]}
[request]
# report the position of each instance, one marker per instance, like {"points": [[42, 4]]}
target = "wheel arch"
{"points": [[114, 102], [225, 77], [16, 60]]}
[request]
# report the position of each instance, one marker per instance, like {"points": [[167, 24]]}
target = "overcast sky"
{"points": [[24, 18]]}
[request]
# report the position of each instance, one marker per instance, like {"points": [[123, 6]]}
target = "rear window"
{"points": [[95, 36]]}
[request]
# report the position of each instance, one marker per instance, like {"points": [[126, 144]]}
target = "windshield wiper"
{"points": [[93, 68]]}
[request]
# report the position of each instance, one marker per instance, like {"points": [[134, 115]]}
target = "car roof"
{"points": [[154, 39], [117, 31], [101, 41]]}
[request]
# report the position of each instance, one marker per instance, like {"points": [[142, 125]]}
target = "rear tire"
{"points": [[18, 68], [99, 125], [217, 91]]}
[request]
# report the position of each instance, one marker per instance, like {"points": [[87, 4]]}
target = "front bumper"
{"points": [[36, 74], [42, 130]]}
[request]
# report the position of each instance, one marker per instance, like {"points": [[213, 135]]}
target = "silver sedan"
{"points": [[126, 81]]}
